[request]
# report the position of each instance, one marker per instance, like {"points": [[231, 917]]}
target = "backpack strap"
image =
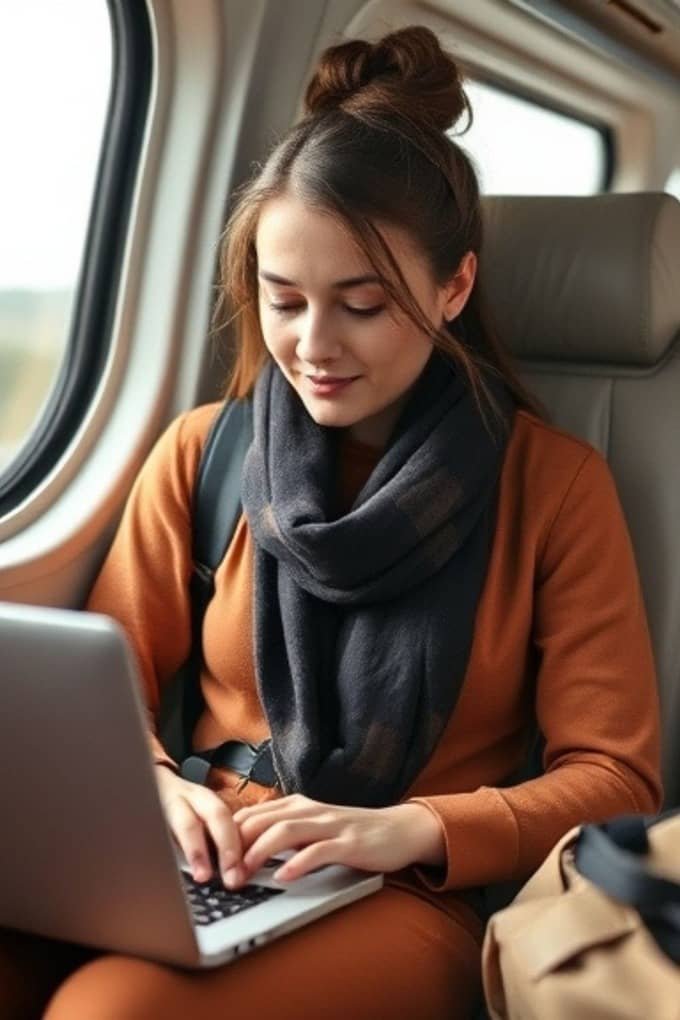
{"points": [[215, 514], [612, 856]]}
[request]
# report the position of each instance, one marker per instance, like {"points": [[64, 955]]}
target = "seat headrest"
{"points": [[584, 279]]}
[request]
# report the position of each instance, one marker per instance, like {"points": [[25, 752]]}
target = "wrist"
{"points": [[426, 835]]}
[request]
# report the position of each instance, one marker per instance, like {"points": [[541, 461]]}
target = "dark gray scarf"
{"points": [[363, 624]]}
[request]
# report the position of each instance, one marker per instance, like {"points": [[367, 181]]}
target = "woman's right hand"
{"points": [[196, 815]]}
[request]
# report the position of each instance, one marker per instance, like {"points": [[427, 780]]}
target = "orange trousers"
{"points": [[391, 956]]}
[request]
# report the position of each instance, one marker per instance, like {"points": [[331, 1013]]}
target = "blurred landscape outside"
{"points": [[33, 329], [55, 72], [55, 69]]}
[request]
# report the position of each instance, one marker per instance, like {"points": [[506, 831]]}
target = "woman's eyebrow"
{"points": [[352, 281]]}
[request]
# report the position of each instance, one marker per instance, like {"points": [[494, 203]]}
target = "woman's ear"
{"points": [[456, 292]]}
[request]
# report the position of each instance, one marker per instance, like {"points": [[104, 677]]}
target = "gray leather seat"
{"points": [[586, 293]]}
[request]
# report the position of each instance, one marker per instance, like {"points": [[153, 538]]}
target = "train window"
{"points": [[55, 74], [74, 88], [673, 183], [522, 148]]}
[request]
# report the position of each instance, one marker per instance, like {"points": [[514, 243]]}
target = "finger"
{"points": [[189, 832], [252, 827], [223, 832], [291, 801], [287, 835], [317, 855]]}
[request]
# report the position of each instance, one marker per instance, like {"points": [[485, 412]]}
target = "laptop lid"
{"points": [[68, 869], [89, 857]]}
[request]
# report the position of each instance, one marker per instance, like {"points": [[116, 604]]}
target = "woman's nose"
{"points": [[316, 340]]}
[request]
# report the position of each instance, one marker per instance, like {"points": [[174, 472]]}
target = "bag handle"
{"points": [[611, 856]]}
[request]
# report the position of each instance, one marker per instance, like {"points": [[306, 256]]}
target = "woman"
{"points": [[423, 567]]}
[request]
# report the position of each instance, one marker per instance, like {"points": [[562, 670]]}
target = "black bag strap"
{"points": [[611, 856], [215, 514]]}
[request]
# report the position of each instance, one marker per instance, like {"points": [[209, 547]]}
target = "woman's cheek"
{"points": [[275, 339]]}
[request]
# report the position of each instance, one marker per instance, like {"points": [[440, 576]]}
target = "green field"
{"points": [[32, 337]]}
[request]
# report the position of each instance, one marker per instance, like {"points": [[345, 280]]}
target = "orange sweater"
{"points": [[560, 625]]}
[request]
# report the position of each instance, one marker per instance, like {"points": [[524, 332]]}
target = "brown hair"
{"points": [[373, 147]]}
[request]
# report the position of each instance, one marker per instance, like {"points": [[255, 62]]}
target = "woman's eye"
{"points": [[284, 309], [290, 309], [365, 311]]}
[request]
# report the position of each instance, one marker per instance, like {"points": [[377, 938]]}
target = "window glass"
{"points": [[55, 78], [521, 148], [673, 183]]}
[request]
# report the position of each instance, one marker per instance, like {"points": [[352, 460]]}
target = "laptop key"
{"points": [[211, 902]]}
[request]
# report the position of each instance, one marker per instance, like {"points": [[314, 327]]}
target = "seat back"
{"points": [[586, 294]]}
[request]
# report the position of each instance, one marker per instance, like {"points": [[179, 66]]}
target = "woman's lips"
{"points": [[329, 387]]}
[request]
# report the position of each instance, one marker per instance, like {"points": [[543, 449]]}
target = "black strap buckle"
{"points": [[249, 761], [262, 770], [195, 769]]}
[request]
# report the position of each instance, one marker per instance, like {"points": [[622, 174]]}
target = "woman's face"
{"points": [[325, 316]]}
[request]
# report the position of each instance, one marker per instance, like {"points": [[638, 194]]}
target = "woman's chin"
{"points": [[330, 418], [325, 413]]}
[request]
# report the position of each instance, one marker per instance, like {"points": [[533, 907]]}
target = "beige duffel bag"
{"points": [[567, 950]]}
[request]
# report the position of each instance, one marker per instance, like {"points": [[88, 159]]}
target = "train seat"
{"points": [[585, 292]]}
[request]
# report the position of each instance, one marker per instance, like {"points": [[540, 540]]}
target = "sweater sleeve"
{"points": [[143, 582], [596, 700]]}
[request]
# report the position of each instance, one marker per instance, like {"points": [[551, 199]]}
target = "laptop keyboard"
{"points": [[211, 902]]}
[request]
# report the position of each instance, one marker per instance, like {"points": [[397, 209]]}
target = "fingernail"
{"points": [[201, 872], [232, 877]]}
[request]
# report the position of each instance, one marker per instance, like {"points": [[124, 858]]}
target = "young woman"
{"points": [[423, 567]]}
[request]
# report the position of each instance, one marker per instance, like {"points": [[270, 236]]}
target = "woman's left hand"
{"points": [[372, 839]]}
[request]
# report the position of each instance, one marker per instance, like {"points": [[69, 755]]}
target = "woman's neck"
{"points": [[376, 430]]}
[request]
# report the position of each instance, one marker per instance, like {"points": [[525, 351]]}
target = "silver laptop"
{"points": [[85, 853]]}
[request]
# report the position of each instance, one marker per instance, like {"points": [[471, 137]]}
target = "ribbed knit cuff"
{"points": [[482, 840]]}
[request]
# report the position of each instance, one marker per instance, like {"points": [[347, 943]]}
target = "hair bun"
{"points": [[406, 72]]}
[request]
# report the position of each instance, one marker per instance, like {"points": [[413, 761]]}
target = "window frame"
{"points": [[95, 294]]}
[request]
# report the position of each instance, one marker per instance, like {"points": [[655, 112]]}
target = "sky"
{"points": [[55, 70]]}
